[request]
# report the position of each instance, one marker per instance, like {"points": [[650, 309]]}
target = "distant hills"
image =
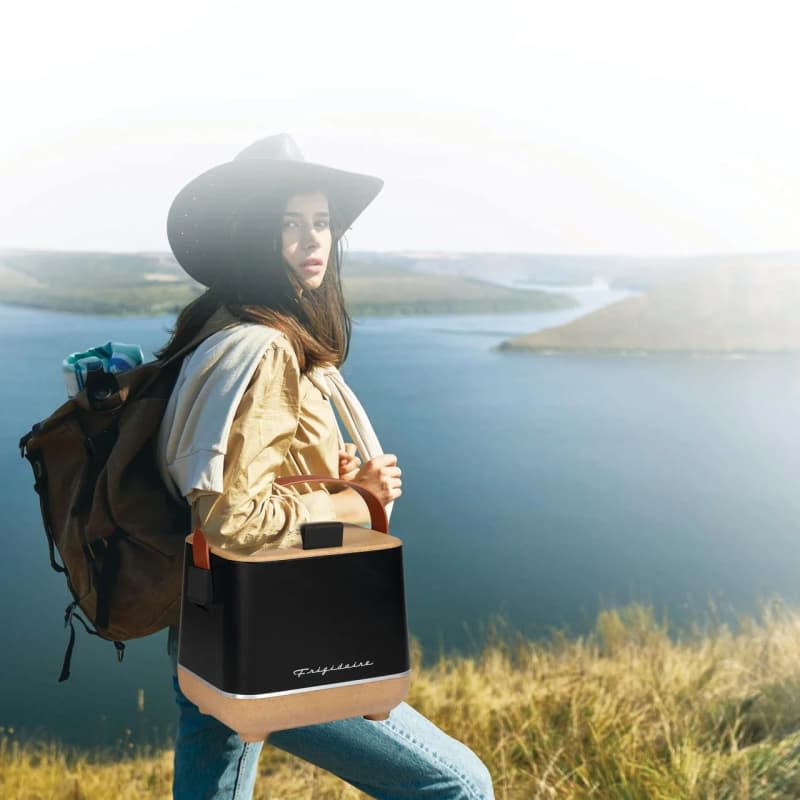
{"points": [[98, 283], [618, 271], [746, 303], [743, 305], [375, 288], [154, 283]]}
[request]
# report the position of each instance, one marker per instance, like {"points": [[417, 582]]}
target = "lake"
{"points": [[539, 488]]}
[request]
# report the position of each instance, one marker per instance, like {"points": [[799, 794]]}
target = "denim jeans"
{"points": [[405, 756]]}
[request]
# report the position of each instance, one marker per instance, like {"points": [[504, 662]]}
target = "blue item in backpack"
{"points": [[113, 357]]}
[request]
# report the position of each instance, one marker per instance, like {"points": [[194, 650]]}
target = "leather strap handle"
{"points": [[201, 555], [377, 513]]}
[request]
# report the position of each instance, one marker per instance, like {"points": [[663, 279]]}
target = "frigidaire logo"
{"points": [[299, 673]]}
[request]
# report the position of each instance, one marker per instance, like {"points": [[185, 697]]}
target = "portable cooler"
{"points": [[296, 636]]}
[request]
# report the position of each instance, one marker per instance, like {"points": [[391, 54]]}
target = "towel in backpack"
{"points": [[111, 357]]}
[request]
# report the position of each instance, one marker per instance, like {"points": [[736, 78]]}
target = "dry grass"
{"points": [[624, 713]]}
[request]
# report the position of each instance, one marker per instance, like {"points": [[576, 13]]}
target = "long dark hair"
{"points": [[258, 285]]}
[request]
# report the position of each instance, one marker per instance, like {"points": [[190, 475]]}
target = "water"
{"points": [[541, 488]]}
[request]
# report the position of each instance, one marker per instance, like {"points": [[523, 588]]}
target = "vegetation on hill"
{"points": [[722, 309], [626, 713], [153, 283], [378, 291]]}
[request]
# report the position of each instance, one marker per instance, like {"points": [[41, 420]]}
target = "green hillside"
{"points": [[728, 308], [153, 283]]}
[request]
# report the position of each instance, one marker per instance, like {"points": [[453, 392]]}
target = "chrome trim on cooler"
{"points": [[292, 691]]}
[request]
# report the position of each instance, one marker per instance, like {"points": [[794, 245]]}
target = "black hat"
{"points": [[199, 221]]}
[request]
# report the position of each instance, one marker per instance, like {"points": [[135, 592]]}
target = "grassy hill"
{"points": [[97, 283], [724, 308], [626, 713], [153, 283], [372, 290]]}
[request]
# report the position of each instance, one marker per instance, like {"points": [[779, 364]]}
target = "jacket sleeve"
{"points": [[252, 511]]}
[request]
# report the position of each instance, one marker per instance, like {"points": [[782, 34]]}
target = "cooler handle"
{"points": [[377, 513]]}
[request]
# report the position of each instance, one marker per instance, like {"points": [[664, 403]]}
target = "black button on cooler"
{"points": [[321, 534]]}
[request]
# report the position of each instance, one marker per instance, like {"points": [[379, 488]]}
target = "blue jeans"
{"points": [[405, 756]]}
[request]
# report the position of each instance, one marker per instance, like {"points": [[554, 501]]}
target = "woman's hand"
{"points": [[381, 476], [348, 462]]}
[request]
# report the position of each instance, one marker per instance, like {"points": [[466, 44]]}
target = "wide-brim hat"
{"points": [[199, 223]]}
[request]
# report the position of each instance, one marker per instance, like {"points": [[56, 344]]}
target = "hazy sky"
{"points": [[592, 127]]}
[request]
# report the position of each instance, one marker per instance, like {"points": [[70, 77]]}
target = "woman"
{"points": [[263, 233]]}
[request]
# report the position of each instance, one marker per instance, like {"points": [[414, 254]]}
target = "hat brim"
{"points": [[198, 222]]}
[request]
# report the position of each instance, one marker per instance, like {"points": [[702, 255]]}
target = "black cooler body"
{"points": [[295, 624]]}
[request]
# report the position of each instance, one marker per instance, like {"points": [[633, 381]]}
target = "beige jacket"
{"points": [[282, 426]]}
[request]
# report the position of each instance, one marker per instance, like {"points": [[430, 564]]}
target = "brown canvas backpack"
{"points": [[117, 529]]}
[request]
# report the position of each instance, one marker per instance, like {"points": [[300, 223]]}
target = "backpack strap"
{"points": [[177, 358], [102, 387], [201, 336], [104, 579], [69, 613], [220, 319]]}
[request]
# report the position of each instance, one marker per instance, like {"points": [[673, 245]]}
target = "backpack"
{"points": [[118, 530]]}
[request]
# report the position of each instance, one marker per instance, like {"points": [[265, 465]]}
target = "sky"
{"points": [[618, 127]]}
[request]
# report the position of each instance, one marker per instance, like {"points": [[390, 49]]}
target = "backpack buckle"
{"points": [[23, 442], [100, 387]]}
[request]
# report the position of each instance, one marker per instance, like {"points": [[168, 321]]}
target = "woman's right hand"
{"points": [[381, 476]]}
